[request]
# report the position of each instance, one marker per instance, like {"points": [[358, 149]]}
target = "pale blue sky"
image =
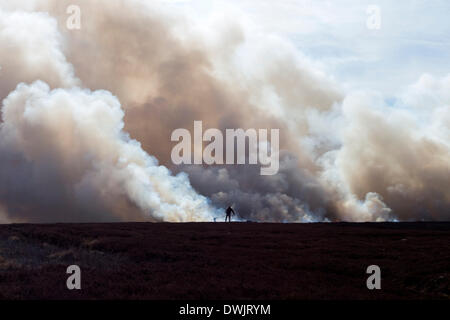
{"points": [[414, 37]]}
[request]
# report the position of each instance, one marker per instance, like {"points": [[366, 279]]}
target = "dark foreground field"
{"points": [[225, 261]]}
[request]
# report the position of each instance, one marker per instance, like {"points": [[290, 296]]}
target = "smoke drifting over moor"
{"points": [[87, 117]]}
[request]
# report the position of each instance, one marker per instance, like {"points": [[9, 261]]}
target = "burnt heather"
{"points": [[225, 261]]}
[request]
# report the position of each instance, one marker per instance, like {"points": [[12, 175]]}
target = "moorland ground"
{"points": [[225, 260]]}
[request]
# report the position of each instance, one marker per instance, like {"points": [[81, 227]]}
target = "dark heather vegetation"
{"points": [[225, 261]]}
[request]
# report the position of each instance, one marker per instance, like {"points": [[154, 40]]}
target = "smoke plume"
{"points": [[87, 117]]}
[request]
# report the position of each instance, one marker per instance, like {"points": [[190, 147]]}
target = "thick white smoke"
{"points": [[31, 49], [73, 140], [65, 154], [395, 156]]}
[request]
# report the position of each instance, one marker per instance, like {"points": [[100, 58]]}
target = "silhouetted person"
{"points": [[228, 213]]}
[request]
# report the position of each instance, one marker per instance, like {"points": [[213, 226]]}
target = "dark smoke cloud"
{"points": [[293, 194]]}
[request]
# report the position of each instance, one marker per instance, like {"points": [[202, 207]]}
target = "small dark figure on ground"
{"points": [[228, 213]]}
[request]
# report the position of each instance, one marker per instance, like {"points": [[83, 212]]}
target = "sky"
{"points": [[413, 38]]}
